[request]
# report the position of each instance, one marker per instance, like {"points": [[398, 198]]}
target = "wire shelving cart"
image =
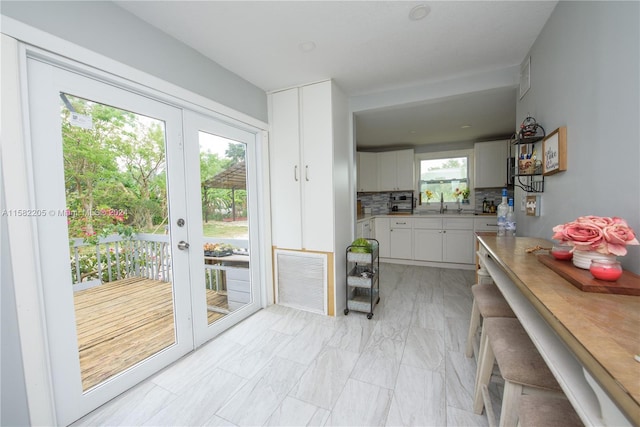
{"points": [[363, 277]]}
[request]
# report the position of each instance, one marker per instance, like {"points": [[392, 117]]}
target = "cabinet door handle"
{"points": [[295, 172], [306, 172]]}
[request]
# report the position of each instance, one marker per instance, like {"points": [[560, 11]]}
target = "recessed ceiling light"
{"points": [[419, 12], [465, 126], [412, 132], [307, 46]]}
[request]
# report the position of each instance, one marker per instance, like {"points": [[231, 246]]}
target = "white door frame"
{"points": [[27, 271], [46, 82]]}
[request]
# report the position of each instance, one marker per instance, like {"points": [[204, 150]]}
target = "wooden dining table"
{"points": [[590, 340]]}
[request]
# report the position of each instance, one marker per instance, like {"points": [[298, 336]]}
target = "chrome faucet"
{"points": [[443, 207]]}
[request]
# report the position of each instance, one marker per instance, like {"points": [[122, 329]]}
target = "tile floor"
{"points": [[286, 367]]}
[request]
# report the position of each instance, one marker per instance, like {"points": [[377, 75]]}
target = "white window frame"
{"points": [[468, 153]]}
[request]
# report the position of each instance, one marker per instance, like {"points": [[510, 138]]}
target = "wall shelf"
{"points": [[527, 168]]}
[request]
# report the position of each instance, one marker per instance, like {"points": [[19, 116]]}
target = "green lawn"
{"points": [[220, 229], [227, 230]]}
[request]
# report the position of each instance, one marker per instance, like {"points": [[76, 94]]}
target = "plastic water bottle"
{"points": [[511, 220], [503, 209]]}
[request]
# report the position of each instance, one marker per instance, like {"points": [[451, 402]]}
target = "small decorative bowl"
{"points": [[608, 270], [562, 252]]}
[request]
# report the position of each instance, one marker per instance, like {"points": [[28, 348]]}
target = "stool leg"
{"points": [[510, 398], [486, 360], [473, 328]]}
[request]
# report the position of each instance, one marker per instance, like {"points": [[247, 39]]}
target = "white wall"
{"points": [[107, 29], [13, 405], [585, 76]]}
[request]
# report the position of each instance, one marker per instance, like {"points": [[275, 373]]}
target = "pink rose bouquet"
{"points": [[595, 233]]}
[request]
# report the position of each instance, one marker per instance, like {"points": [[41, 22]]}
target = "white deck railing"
{"points": [[143, 255], [115, 258]]}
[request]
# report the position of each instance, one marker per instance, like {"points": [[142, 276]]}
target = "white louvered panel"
{"points": [[302, 280]]}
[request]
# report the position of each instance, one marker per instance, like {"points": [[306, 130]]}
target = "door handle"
{"points": [[306, 172], [295, 172], [182, 245]]}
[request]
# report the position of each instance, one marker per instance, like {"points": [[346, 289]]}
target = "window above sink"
{"points": [[444, 176]]}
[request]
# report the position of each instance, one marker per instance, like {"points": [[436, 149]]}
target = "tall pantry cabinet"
{"points": [[309, 166]]}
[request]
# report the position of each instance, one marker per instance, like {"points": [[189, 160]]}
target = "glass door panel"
{"points": [[120, 257], [108, 170], [225, 228], [221, 181]]}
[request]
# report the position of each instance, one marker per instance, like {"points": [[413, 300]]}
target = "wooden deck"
{"points": [[124, 322], [120, 324], [216, 299]]}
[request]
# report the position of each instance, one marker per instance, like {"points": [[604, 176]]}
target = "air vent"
{"points": [[302, 280]]}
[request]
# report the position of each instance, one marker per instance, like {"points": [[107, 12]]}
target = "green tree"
{"points": [[90, 164], [236, 153], [213, 199], [142, 155]]}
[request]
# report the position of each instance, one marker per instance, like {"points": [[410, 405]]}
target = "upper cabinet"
{"points": [[367, 172], [395, 170], [490, 164]]}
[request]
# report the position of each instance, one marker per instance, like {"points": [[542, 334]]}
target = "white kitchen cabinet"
{"points": [[363, 229], [309, 184], [401, 238], [490, 164], [485, 223], [427, 239], [405, 176], [302, 167], [366, 229], [382, 235], [396, 170], [285, 151], [444, 240], [458, 240], [367, 175]]}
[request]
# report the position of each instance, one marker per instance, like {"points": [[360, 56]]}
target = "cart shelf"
{"points": [[363, 286]]}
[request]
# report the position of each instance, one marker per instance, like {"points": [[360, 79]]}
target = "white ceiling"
{"points": [[368, 47]]}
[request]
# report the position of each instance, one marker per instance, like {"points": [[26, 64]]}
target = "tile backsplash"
{"points": [[494, 194], [380, 203]]}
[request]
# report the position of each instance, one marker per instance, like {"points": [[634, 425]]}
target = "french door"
{"points": [[121, 181], [221, 178]]}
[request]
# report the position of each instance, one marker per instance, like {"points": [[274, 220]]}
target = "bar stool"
{"points": [[487, 302], [524, 371], [540, 411]]}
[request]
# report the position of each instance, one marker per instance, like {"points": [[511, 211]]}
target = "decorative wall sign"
{"points": [[554, 149], [525, 77], [533, 205]]}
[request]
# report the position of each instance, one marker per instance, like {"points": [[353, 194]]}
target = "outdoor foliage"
{"points": [[115, 180], [114, 171]]}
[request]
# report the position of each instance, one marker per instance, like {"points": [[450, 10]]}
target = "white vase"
{"points": [[582, 259]]}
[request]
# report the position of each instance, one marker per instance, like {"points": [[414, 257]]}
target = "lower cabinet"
{"points": [[444, 240], [426, 239], [401, 238], [382, 236], [457, 246]]}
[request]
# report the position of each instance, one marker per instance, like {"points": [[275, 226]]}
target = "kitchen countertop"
{"points": [[600, 330], [468, 214]]}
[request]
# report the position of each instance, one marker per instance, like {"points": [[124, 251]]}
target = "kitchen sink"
{"points": [[447, 212]]}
